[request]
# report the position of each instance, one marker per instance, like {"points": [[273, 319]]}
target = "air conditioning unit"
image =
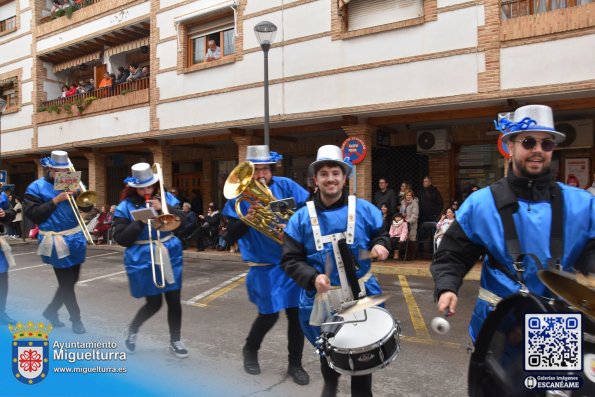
{"points": [[432, 141], [579, 133]]}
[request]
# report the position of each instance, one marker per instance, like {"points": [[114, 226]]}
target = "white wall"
{"points": [[110, 21], [8, 10], [15, 49], [553, 62], [25, 64], [17, 140], [100, 126], [19, 119]]}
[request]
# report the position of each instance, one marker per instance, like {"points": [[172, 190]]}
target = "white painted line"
{"points": [[224, 284], [25, 253], [95, 256], [25, 268], [100, 277]]}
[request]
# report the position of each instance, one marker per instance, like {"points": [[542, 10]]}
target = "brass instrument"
{"points": [[165, 222], [87, 197], [240, 184], [153, 264]]}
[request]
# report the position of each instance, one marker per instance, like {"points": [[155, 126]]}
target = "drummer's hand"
{"points": [[447, 300], [379, 252], [155, 203], [322, 283], [2, 213], [63, 196]]}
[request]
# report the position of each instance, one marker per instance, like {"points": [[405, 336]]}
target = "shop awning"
{"points": [[131, 45], [94, 56]]}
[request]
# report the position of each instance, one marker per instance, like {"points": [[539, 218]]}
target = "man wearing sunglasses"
{"points": [[525, 218]]}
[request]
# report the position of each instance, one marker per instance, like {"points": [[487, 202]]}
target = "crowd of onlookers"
{"points": [[109, 80]]}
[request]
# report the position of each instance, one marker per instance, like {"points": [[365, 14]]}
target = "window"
{"points": [[221, 31], [363, 14], [8, 24], [8, 91], [518, 8]]}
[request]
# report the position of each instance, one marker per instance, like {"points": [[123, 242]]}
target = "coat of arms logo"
{"points": [[30, 351]]}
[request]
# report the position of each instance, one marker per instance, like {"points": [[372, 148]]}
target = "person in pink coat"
{"points": [[398, 232]]}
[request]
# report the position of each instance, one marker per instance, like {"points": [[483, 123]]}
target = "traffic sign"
{"points": [[503, 147], [3, 176], [355, 149]]}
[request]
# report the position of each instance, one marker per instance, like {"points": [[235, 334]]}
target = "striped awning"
{"points": [[76, 62], [132, 45]]}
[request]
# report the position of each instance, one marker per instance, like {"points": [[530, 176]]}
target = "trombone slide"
{"points": [[80, 220], [151, 247]]}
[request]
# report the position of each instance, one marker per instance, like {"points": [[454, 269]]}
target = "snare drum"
{"points": [[362, 347]]}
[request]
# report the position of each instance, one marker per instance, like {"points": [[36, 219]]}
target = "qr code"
{"points": [[553, 342]]}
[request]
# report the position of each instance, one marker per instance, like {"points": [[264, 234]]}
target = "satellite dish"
{"points": [[426, 140], [568, 130]]}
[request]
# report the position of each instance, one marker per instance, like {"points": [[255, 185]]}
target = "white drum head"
{"points": [[365, 333]]}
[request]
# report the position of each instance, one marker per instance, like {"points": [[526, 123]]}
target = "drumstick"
{"points": [[440, 324]]}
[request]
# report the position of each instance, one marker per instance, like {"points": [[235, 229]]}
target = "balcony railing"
{"points": [[8, 24], [519, 8], [68, 8], [99, 93]]}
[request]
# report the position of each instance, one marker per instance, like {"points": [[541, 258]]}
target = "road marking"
{"points": [[25, 268], [25, 253], [216, 291], [473, 275], [424, 341], [95, 256], [418, 322], [101, 277]]}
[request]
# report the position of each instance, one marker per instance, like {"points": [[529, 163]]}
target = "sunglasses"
{"points": [[529, 143]]}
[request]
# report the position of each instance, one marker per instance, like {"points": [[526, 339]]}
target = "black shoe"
{"points": [[130, 339], [78, 327], [251, 365], [6, 319], [53, 319], [299, 375], [178, 349]]}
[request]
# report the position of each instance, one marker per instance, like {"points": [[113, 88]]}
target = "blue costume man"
{"points": [[552, 224], [7, 214], [269, 288], [139, 259], [62, 243], [306, 256]]}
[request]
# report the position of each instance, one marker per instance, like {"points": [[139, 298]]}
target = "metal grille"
{"points": [[397, 165]]}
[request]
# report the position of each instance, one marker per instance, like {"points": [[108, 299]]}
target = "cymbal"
{"points": [[576, 295], [364, 303]]}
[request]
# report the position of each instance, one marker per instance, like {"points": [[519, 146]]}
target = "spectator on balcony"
{"points": [[90, 85], [72, 90], [106, 81], [135, 72], [213, 53], [122, 75], [145, 71], [56, 5], [81, 88], [64, 91]]}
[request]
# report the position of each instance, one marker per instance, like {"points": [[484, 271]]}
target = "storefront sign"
{"points": [[355, 149]]}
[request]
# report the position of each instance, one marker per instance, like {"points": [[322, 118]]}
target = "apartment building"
{"points": [[419, 82]]}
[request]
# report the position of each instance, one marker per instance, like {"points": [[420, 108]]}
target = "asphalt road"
{"points": [[216, 319]]}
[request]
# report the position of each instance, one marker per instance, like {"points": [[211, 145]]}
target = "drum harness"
{"points": [[351, 288], [506, 203]]}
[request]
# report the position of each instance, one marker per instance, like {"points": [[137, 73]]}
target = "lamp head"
{"points": [[265, 33]]}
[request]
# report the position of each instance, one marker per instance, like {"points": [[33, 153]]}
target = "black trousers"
{"points": [[361, 386], [295, 337], [67, 278], [3, 291], [152, 306]]}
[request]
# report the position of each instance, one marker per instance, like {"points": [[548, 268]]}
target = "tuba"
{"points": [[240, 184]]}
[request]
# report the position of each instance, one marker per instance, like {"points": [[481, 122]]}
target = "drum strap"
{"points": [[506, 203]]}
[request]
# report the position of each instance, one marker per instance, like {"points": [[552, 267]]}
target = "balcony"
{"points": [[99, 100], [519, 8]]}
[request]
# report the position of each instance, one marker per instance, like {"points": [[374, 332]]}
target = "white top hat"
{"points": [[530, 118], [259, 154], [58, 159], [331, 153], [142, 176]]}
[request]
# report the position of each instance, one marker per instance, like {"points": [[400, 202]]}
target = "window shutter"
{"points": [[202, 29], [368, 13]]}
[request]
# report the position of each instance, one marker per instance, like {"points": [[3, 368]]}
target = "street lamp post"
{"points": [[265, 34], [2, 109]]}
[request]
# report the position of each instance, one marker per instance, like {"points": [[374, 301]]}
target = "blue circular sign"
{"points": [[355, 149]]}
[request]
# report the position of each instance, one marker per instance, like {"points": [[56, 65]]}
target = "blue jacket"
{"points": [[8, 217], [479, 226], [268, 286]]}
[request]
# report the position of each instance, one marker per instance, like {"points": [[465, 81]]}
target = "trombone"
{"points": [[85, 199], [153, 264], [166, 221], [73, 203]]}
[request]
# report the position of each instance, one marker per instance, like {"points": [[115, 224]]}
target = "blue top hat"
{"points": [[259, 154], [530, 118], [142, 176]]}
